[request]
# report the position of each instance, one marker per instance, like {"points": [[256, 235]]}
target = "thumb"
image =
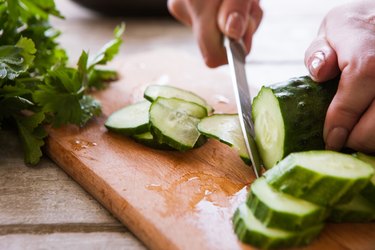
{"points": [[321, 60], [233, 18]]}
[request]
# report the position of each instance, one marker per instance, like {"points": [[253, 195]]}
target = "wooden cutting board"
{"points": [[171, 200]]}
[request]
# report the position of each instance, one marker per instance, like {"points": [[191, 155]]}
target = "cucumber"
{"points": [[278, 210], [289, 117], [252, 231], [225, 128], [152, 92], [322, 177], [358, 209], [132, 119], [174, 122], [369, 191], [147, 139]]}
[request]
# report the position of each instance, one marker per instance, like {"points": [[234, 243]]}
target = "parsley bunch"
{"points": [[36, 85]]}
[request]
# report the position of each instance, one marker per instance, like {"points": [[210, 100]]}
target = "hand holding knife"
{"points": [[236, 60]]}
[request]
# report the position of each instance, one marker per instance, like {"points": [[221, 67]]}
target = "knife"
{"points": [[236, 60]]}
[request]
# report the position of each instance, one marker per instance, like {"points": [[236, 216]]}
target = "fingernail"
{"points": [[336, 138], [235, 25], [316, 63]]}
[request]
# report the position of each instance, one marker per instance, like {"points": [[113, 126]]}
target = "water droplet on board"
{"points": [[187, 193], [221, 99], [79, 144]]}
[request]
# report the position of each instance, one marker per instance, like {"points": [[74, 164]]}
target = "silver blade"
{"points": [[236, 59]]}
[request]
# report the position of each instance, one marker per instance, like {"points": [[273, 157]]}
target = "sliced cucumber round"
{"points": [[278, 210], [225, 128], [252, 231], [147, 139], [132, 119], [322, 177], [369, 191], [358, 209], [152, 92], [289, 117], [174, 122]]}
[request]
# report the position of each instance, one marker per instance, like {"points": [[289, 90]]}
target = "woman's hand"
{"points": [[237, 19], [346, 44]]}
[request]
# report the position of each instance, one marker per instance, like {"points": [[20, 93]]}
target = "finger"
{"points": [[206, 30], [256, 14], [362, 137], [233, 17], [180, 11], [321, 60], [346, 108]]}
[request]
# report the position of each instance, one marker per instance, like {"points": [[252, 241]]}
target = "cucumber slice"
{"points": [[132, 119], [225, 128], [322, 177], [369, 191], [278, 210], [252, 231], [174, 122], [147, 139], [289, 117], [358, 209], [152, 92]]}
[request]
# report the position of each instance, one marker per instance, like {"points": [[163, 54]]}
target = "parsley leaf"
{"points": [[32, 134], [37, 88]]}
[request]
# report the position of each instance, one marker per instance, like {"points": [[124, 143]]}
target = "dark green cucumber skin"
{"points": [[283, 220], [246, 235], [130, 131], [357, 211], [152, 143], [302, 183], [303, 104], [369, 192]]}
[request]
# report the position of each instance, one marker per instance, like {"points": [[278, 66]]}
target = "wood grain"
{"points": [[170, 200], [71, 241]]}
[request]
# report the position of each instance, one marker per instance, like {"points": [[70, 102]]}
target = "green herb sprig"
{"points": [[36, 85]]}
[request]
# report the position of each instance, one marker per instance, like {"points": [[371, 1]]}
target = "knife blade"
{"points": [[236, 59]]}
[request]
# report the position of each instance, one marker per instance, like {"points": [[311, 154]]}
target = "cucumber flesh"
{"points": [[289, 117], [322, 177], [357, 210], [132, 119], [152, 92], [252, 231], [269, 127], [174, 122], [369, 191], [278, 210], [225, 128]]}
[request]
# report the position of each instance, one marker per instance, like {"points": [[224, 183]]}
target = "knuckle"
{"points": [[364, 64], [362, 144], [343, 112], [172, 6]]}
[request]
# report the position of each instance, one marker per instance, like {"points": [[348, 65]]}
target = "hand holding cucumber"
{"points": [[345, 44]]}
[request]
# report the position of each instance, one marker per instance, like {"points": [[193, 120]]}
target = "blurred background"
{"points": [[127, 7]]}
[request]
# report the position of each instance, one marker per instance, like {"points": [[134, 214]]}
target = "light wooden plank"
{"points": [[42, 194], [71, 241]]}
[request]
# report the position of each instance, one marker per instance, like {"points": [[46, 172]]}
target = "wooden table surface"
{"points": [[42, 208]]}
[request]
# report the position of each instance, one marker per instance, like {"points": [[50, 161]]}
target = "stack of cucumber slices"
{"points": [[167, 119], [289, 205], [304, 186]]}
